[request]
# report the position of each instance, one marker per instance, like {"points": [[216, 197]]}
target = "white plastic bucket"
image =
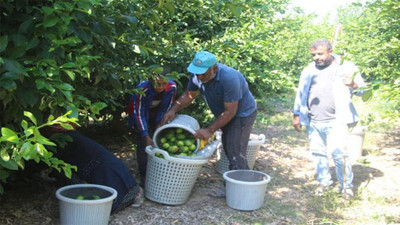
{"points": [[170, 180], [255, 142], [355, 141], [185, 122], [245, 189], [85, 212]]}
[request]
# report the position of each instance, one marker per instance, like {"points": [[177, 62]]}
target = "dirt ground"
{"points": [[289, 197]]}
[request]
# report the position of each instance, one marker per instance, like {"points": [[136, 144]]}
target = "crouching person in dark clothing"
{"points": [[97, 165]]}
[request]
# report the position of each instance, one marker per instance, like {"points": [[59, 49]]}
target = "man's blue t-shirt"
{"points": [[229, 85]]}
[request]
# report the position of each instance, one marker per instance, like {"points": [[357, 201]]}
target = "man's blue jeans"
{"points": [[329, 138]]}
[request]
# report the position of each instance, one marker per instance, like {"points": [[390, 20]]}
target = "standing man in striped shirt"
{"points": [[146, 112]]}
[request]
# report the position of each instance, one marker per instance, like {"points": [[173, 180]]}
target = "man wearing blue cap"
{"points": [[227, 94]]}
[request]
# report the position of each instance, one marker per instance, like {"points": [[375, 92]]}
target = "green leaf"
{"points": [[3, 175], [40, 149], [68, 65], [9, 85], [367, 95], [67, 126], [51, 118], [11, 76], [235, 10], [47, 10], [4, 155], [45, 141], [28, 132], [50, 21], [24, 124], [25, 26], [69, 40], [27, 96], [131, 19], [18, 51], [3, 42], [66, 87], [33, 43], [10, 164], [74, 111], [68, 95], [31, 117], [95, 2], [170, 7], [84, 5], [40, 84], [13, 66], [9, 135], [28, 151]]}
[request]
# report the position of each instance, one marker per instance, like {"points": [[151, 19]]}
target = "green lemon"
{"points": [[165, 146], [96, 197], [179, 130], [172, 139], [180, 143], [159, 155], [188, 142], [192, 147], [170, 135], [185, 149], [184, 154], [163, 140], [181, 136], [173, 149], [80, 197]]}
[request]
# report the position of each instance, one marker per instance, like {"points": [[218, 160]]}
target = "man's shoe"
{"points": [[321, 189], [347, 193], [138, 201]]}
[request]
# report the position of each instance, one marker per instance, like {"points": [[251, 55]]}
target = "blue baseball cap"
{"points": [[201, 62]]}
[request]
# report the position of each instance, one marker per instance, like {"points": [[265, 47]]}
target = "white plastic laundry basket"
{"points": [[85, 212], [245, 189], [255, 141], [170, 180], [185, 122]]}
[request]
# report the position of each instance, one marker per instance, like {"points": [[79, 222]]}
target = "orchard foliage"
{"points": [[371, 38], [85, 57]]}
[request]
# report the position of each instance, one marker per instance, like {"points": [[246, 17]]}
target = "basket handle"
{"points": [[261, 137], [153, 150]]}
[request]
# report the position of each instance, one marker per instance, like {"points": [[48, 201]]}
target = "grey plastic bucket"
{"points": [[245, 189], [185, 122], [85, 212], [355, 141]]}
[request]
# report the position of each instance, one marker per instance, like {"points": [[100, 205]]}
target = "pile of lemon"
{"points": [[177, 141]]}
